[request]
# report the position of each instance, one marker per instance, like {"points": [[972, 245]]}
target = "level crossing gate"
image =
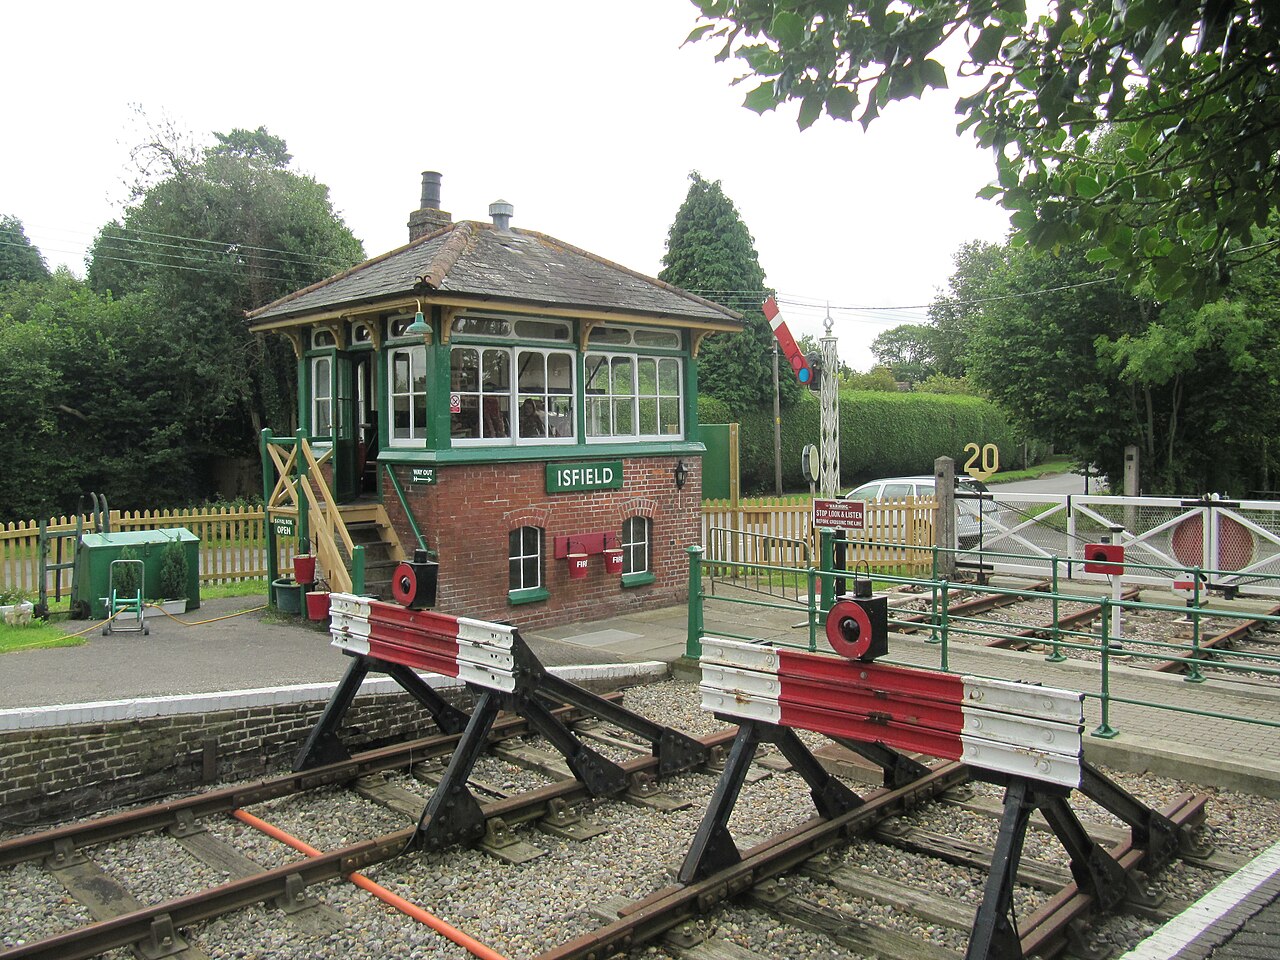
{"points": [[1237, 542]]}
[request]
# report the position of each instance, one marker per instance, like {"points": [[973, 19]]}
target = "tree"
{"points": [[710, 251], [876, 380], [19, 260], [1189, 84], [1081, 363], [978, 268], [910, 350], [213, 233], [92, 399]]}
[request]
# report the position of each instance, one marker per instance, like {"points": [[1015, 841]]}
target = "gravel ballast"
{"points": [[522, 910]]}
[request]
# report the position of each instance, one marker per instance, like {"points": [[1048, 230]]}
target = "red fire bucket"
{"points": [[613, 561], [304, 568], [318, 605], [577, 566]]}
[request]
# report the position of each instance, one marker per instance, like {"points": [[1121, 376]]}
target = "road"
{"points": [[1055, 483]]}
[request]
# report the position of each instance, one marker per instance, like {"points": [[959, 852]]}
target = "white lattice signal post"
{"points": [[829, 449]]}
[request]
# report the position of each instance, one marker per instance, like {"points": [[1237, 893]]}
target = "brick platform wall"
{"points": [[468, 515], [75, 770], [71, 771]]}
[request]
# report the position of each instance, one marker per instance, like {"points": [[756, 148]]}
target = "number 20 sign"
{"points": [[989, 456]]}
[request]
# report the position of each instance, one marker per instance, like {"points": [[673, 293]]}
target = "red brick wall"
{"points": [[469, 513]]}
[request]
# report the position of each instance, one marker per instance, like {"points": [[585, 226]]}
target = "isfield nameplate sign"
{"points": [[600, 475]]}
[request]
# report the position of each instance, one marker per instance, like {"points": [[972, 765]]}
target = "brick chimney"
{"points": [[429, 217]]}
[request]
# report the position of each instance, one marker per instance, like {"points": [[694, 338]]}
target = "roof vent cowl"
{"points": [[501, 212]]}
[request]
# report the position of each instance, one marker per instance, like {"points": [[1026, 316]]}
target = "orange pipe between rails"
{"points": [[468, 943]]}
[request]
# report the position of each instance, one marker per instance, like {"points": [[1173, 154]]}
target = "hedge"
{"points": [[881, 435]]}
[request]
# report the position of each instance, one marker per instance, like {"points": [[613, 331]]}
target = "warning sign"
{"points": [[839, 514], [455, 403]]}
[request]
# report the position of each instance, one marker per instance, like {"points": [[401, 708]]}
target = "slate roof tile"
{"points": [[477, 259]]}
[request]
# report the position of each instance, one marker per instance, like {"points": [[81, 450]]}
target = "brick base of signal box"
{"points": [[468, 514]]}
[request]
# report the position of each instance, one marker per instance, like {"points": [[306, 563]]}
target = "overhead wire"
{"points": [[123, 231]]}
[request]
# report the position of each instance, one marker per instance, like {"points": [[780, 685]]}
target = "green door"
{"points": [[346, 470]]}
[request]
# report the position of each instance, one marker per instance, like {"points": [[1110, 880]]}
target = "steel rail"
{"points": [[648, 919], [1026, 637], [1230, 635], [911, 622], [1044, 932], [59, 843], [136, 927]]}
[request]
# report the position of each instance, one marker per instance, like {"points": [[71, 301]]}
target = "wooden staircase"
{"points": [[382, 554], [337, 530]]}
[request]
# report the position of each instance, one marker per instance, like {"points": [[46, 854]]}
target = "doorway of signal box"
{"points": [[355, 442]]}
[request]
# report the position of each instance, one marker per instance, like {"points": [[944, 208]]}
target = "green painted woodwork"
{"points": [[346, 466], [96, 551], [717, 463]]}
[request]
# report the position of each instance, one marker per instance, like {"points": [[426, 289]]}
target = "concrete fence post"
{"points": [[944, 526]]}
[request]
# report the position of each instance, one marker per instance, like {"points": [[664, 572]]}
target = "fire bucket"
{"points": [[304, 568], [613, 561], [577, 566], [317, 604]]}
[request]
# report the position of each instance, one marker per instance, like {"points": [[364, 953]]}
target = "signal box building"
{"points": [[522, 408]]}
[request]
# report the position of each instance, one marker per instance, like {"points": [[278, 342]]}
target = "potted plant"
{"points": [[15, 608], [173, 578]]}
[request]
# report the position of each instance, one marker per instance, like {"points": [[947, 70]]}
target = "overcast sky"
{"points": [[587, 116]]}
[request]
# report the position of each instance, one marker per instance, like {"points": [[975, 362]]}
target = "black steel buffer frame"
{"points": [[994, 935], [452, 813]]}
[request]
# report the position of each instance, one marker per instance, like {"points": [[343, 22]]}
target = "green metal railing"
{"points": [[945, 626], [404, 505]]}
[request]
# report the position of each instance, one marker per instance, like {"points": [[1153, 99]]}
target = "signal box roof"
{"points": [[476, 264]]}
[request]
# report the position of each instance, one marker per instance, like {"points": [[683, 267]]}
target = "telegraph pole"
{"points": [[777, 427]]}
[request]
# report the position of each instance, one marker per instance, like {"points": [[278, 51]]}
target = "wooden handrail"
{"points": [[324, 517]]}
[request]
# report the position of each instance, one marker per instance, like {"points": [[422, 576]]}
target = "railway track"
{"points": [[1006, 616], [806, 878]]}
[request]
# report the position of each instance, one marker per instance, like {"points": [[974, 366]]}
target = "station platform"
{"points": [[225, 652]]}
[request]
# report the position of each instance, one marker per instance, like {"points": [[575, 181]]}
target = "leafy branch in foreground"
{"points": [[1189, 86]]}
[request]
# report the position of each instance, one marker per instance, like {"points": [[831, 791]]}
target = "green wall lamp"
{"points": [[419, 327]]}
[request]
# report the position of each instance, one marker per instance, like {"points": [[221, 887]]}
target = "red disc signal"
{"points": [[849, 630]]}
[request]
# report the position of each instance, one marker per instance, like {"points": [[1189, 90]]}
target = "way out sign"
{"points": [[839, 514]]}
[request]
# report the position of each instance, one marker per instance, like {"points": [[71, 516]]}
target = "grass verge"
{"points": [[36, 635], [237, 588], [1055, 465]]}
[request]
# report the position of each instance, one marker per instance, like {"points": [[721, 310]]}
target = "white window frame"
{"points": [[635, 396], [566, 424], [322, 401], [517, 554], [631, 545], [417, 355]]}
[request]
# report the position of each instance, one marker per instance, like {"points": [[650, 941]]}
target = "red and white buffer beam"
{"points": [[999, 725], [786, 342], [474, 651]]}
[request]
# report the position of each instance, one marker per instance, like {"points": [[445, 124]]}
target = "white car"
{"points": [[972, 515]]}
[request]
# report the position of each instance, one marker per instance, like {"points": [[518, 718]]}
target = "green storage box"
{"points": [[95, 552]]}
